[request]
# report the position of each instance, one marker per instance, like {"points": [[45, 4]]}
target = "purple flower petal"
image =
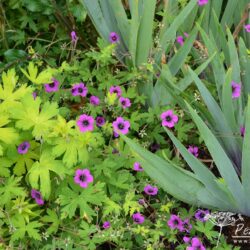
{"points": [[23, 148], [202, 2], [115, 90], [114, 37], [121, 126], [94, 100], [85, 123], [151, 190], [138, 218], [52, 87], [83, 177]]}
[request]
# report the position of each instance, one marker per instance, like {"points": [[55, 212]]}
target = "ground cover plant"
{"points": [[130, 140]]}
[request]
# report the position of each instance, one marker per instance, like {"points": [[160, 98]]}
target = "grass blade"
{"points": [[246, 155], [179, 58], [185, 189], [169, 33], [144, 40], [221, 160], [204, 175]]}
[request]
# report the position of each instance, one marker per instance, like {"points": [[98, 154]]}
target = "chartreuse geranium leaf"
{"points": [[10, 189], [39, 174], [52, 218], [22, 162], [43, 77], [24, 207], [8, 95], [82, 198], [207, 229], [7, 135], [111, 207], [29, 114], [23, 228], [131, 203], [5, 164], [71, 143]]}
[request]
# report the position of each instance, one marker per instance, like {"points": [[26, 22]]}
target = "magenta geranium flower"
{"points": [[36, 195], [23, 148], [169, 118], [201, 215], [52, 87], [186, 226], [137, 167], [125, 102], [193, 150], [186, 239], [116, 135], [79, 90], [121, 126], [115, 89], [202, 2], [114, 37], [100, 121], [180, 40], [247, 27], [85, 123], [154, 147], [74, 90], [106, 224], [138, 218], [94, 100], [141, 202], [34, 94], [73, 36], [196, 244], [151, 190], [83, 177], [175, 222], [236, 90], [242, 131]]}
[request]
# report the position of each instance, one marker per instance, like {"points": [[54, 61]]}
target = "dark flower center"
{"points": [[38, 196], [121, 126], [24, 147], [80, 90], [176, 222], [198, 248], [150, 190], [82, 177], [113, 38], [123, 102], [168, 118], [137, 219], [202, 215], [52, 84], [85, 122], [99, 120]]}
